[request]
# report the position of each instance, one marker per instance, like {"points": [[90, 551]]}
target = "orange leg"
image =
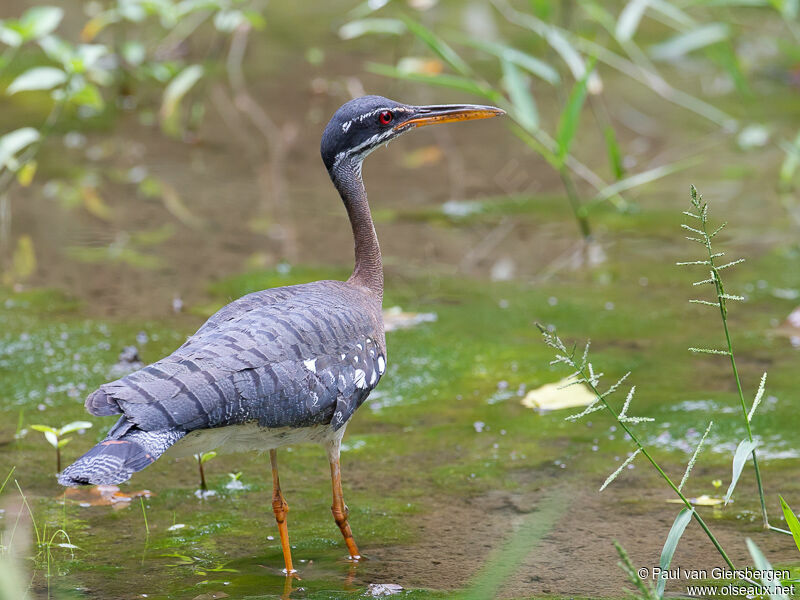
{"points": [[281, 510], [339, 508]]}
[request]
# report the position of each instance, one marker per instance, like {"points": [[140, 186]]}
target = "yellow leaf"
{"points": [[95, 204], [704, 500], [428, 155], [555, 396], [26, 173], [24, 259]]}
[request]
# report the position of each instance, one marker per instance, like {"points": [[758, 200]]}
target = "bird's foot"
{"points": [[356, 558], [291, 574]]}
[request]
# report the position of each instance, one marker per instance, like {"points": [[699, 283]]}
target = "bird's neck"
{"points": [[368, 269]]}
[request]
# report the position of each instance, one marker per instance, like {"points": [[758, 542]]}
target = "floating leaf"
{"points": [[557, 396], [703, 500], [674, 536], [791, 521], [684, 43], [394, 318], [743, 451], [14, 142], [38, 78]]}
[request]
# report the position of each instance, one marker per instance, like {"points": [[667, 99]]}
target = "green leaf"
{"points": [[89, 54], [638, 179], [629, 19], [743, 451], [791, 521], [762, 564], [44, 429], [89, 96], [52, 438], [57, 49], [790, 163], [177, 89], [674, 536], [521, 59], [568, 123], [518, 88], [14, 142], [40, 21], [614, 154], [684, 43], [207, 456], [74, 426], [64, 442], [38, 78], [444, 51], [453, 82], [355, 29], [9, 35]]}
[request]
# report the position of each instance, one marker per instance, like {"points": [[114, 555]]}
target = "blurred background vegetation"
{"points": [[159, 158]]}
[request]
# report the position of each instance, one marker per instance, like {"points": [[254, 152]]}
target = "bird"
{"points": [[279, 366]]}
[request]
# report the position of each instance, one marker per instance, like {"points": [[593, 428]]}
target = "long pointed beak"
{"points": [[448, 113]]}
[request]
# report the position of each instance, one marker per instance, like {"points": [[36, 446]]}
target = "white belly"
{"points": [[250, 437]]}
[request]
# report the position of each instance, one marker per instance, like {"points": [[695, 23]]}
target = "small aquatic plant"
{"points": [[584, 372], [702, 234], [55, 437], [201, 460]]}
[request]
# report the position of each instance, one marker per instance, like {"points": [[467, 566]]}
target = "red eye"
{"points": [[386, 117]]}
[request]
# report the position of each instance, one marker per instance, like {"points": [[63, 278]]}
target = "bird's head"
{"points": [[363, 124]]}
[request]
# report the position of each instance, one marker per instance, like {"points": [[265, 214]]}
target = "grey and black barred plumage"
{"points": [[287, 357], [277, 366]]}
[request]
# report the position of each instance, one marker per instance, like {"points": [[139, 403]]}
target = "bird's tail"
{"points": [[115, 459]]}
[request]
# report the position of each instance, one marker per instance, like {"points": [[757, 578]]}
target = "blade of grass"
{"points": [[791, 521], [521, 59], [439, 46], [671, 543], [519, 92], [570, 117]]}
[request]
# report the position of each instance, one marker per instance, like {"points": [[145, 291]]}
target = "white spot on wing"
{"points": [[381, 364], [360, 379], [359, 346], [311, 364], [346, 126], [373, 378]]}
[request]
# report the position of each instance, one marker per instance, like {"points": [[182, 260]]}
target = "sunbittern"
{"points": [[275, 367]]}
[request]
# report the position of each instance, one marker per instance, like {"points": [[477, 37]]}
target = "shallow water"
{"points": [[437, 502]]}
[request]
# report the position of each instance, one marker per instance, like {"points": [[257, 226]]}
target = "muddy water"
{"points": [[452, 484]]}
